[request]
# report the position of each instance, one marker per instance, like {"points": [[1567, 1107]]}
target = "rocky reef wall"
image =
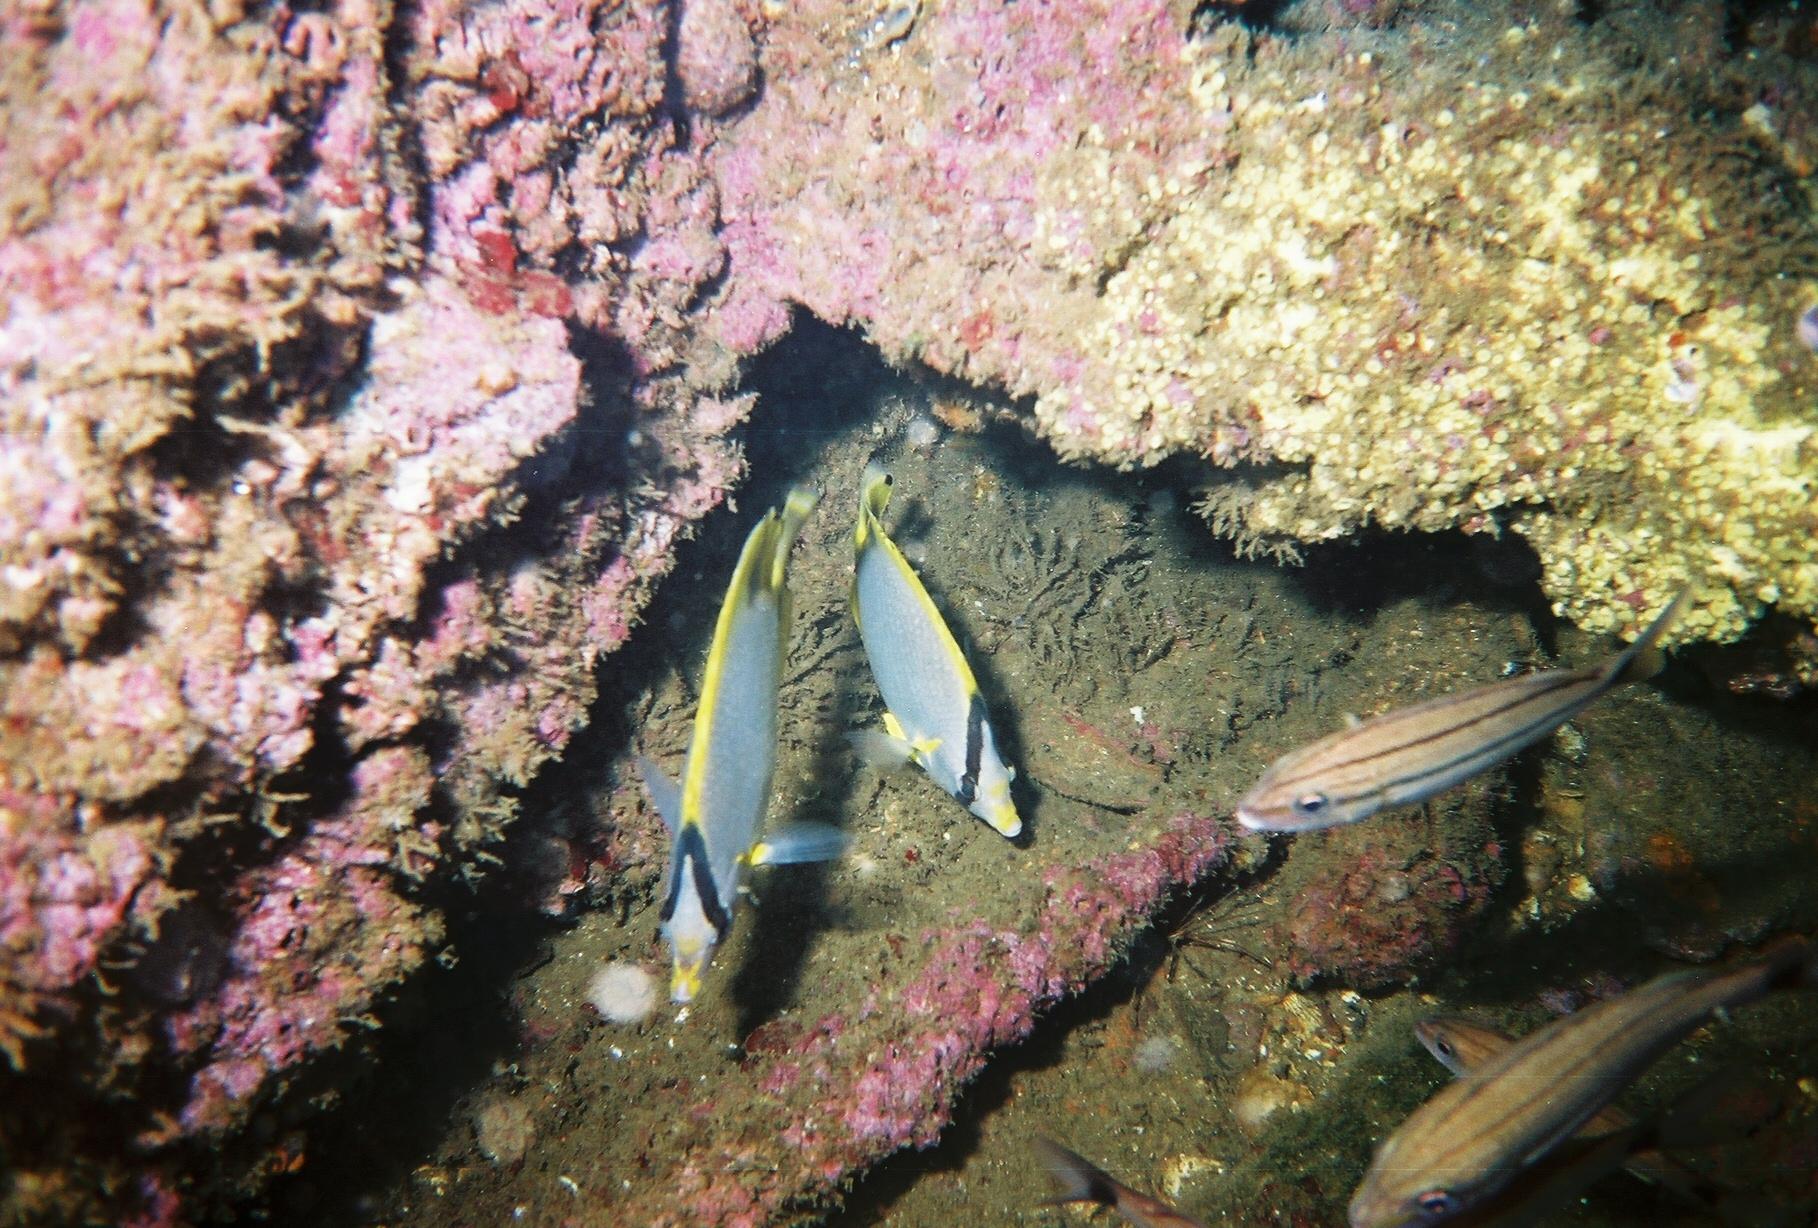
{"points": [[1501, 271], [361, 367], [357, 375]]}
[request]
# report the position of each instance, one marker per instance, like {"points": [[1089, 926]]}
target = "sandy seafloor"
{"points": [[1137, 666]]}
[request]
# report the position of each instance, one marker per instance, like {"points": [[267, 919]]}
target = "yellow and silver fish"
{"points": [[714, 816], [1413, 753], [936, 715], [1474, 1136]]}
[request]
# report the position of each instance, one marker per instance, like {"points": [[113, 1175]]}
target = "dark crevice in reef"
{"points": [[443, 1033], [440, 1036], [1375, 568]]}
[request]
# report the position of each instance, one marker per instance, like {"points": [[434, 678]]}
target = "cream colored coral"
{"points": [[1496, 314]]}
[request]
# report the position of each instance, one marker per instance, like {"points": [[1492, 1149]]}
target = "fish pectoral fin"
{"points": [[1352, 720], [795, 843], [920, 749], [880, 750], [893, 747], [664, 794]]}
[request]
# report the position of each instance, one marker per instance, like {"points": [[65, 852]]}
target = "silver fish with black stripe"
{"points": [[715, 814], [935, 714]]}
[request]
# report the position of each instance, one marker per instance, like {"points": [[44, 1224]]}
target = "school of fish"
{"points": [[1526, 1124]]}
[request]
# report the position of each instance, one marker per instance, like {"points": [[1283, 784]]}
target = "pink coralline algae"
{"points": [[715, 56], [296, 311], [970, 989], [1194, 245], [61, 900], [361, 369], [1387, 902], [932, 201]]}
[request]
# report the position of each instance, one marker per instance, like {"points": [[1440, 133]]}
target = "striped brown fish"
{"points": [[1462, 1046], [1456, 1151], [1413, 753]]}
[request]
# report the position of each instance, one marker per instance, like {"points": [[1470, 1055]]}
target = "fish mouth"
{"points": [[1370, 1209], [1253, 819], [684, 982], [1006, 822], [1362, 1214]]}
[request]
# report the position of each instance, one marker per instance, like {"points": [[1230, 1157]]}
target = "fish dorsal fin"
{"points": [[874, 496], [1075, 1178], [665, 795], [762, 570]]}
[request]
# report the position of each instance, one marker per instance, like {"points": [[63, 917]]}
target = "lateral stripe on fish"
{"points": [[1547, 686], [1463, 1045]]}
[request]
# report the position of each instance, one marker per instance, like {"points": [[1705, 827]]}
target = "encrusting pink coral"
{"points": [[321, 328], [264, 394], [856, 1090]]}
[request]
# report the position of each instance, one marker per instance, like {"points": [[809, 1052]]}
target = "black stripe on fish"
{"points": [[975, 748], [691, 850]]}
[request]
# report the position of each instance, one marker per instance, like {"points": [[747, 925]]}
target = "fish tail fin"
{"points": [[1075, 1178], [1644, 658], [763, 568], [874, 496], [797, 507], [875, 487], [1793, 963], [1789, 962]]}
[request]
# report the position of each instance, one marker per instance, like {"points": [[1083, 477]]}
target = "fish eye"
{"points": [[1310, 803], [1443, 1045], [1435, 1202]]}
